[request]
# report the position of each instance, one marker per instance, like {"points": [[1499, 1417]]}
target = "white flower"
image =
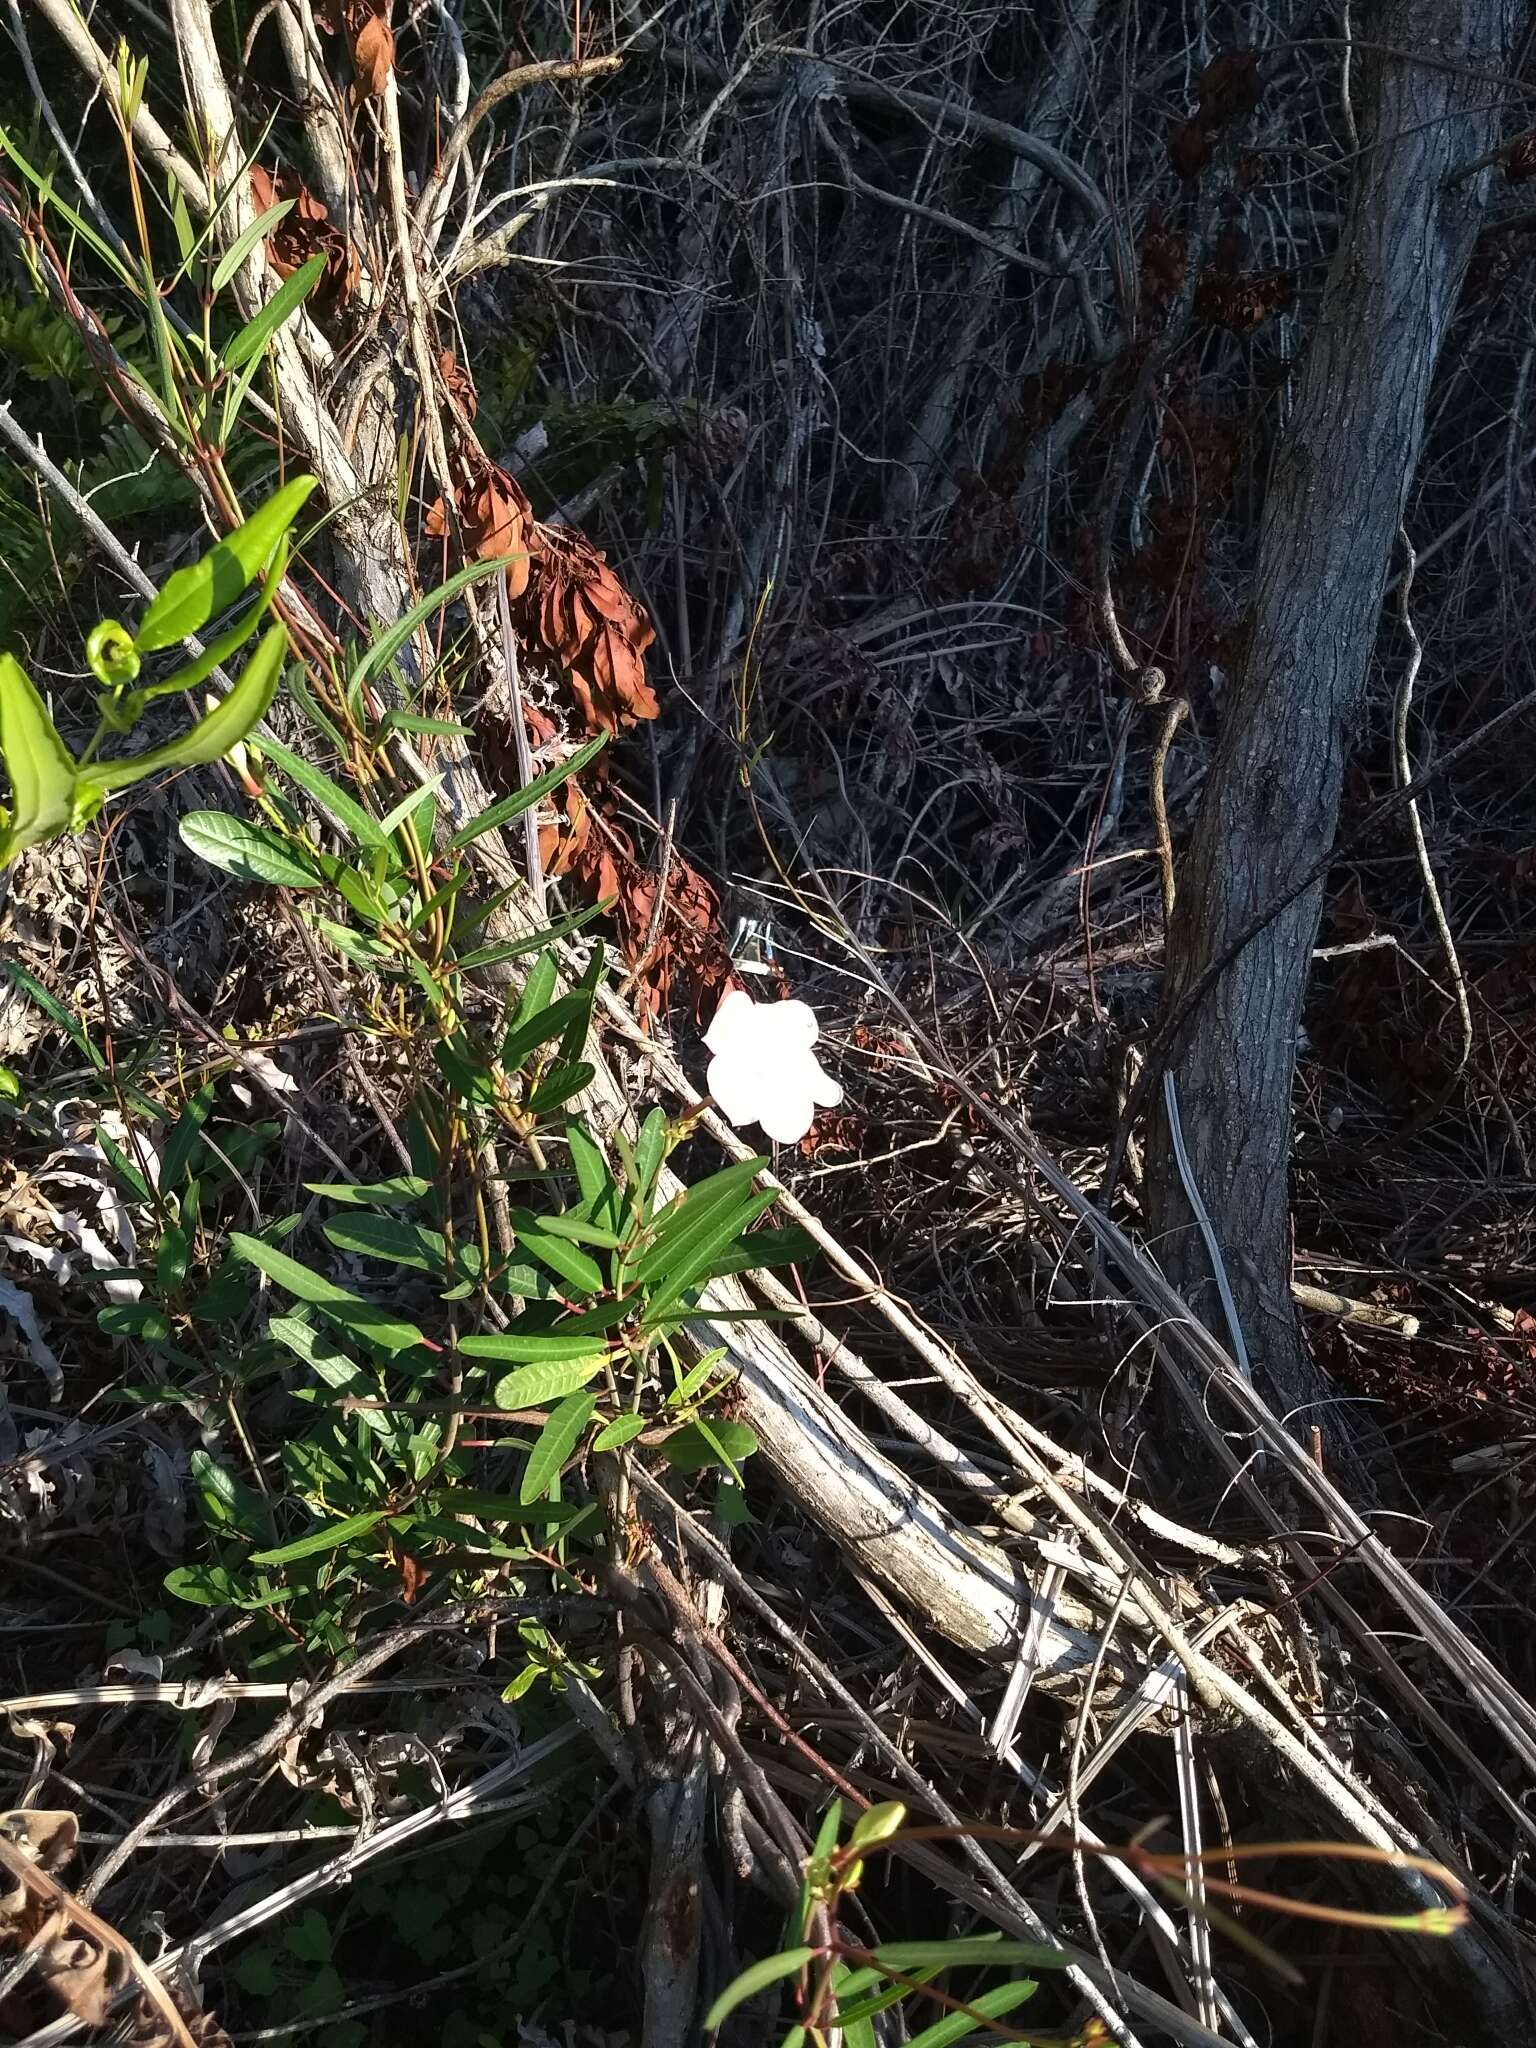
{"points": [[763, 1070]]}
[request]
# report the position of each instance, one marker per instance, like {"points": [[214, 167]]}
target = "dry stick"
{"points": [[1001, 1900], [510, 82], [198, 1783], [1173, 718], [1403, 769]]}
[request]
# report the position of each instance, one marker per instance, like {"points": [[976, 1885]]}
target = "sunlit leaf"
{"points": [[40, 767], [252, 853], [556, 1441], [195, 594]]}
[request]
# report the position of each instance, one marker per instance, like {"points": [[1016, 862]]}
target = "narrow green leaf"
{"points": [[531, 1348], [331, 1537], [365, 1318], [692, 1212], [246, 241], [183, 1141], [525, 1038], [580, 1231], [966, 1951], [283, 304], [501, 1507], [413, 721], [211, 738], [407, 807], [346, 810], [987, 2005], [532, 1385], [538, 988], [577, 1268], [40, 767], [756, 1977], [387, 1237], [513, 807], [383, 1194], [224, 646], [195, 594], [650, 1152], [50, 1006], [251, 853], [390, 642], [556, 1441]]}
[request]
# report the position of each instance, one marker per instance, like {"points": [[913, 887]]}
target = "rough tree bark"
{"points": [[1341, 477]]}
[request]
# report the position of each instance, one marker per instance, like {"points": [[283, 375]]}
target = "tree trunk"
{"points": [[1335, 502]]}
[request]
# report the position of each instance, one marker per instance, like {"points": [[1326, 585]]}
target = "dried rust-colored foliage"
{"points": [[306, 230], [494, 518], [683, 950], [594, 629], [365, 24]]}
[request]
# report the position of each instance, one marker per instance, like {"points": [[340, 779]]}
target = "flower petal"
{"points": [[735, 1017], [736, 1085], [824, 1089], [786, 1112]]}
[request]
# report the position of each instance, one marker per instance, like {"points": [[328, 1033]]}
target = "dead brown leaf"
{"points": [[307, 230], [495, 518], [373, 46], [595, 630]]}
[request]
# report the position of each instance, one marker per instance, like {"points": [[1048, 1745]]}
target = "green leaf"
{"points": [[134, 1319], [223, 647], [283, 304], [567, 1261], [246, 241], [988, 2005], [756, 1977], [51, 1007], [968, 1950], [877, 1823], [331, 1537], [532, 1385], [691, 1250], [249, 852], [515, 949], [791, 1246], [124, 1167], [205, 1585], [512, 807], [693, 1213], [346, 810], [209, 740], [227, 1501], [414, 721], [387, 1237], [698, 1445], [365, 1318], [182, 1144], [408, 807], [650, 1152], [310, 1940], [550, 1022], [40, 767], [197, 593], [390, 642], [171, 1255], [378, 1194], [558, 1086], [622, 1430], [532, 1348], [580, 1231], [556, 1440]]}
